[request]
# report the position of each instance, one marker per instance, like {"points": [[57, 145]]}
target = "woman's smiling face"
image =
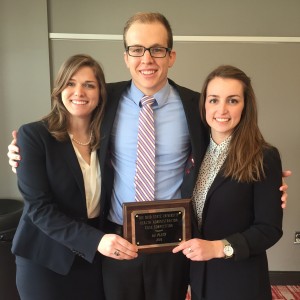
{"points": [[224, 105]]}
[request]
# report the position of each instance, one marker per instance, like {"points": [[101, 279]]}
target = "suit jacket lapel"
{"points": [[216, 183], [198, 134], [114, 93], [70, 157]]}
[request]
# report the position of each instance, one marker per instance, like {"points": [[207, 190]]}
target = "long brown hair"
{"points": [[57, 119], [148, 18], [245, 157]]}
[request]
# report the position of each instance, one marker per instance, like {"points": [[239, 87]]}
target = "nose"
{"points": [[223, 107], [146, 58], [78, 90]]}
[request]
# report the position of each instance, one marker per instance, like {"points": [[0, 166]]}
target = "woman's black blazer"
{"points": [[249, 216], [52, 229]]}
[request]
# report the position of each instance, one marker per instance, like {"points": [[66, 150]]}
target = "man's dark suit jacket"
{"points": [[198, 135], [249, 216], [52, 229]]}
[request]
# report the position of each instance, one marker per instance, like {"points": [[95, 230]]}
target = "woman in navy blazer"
{"points": [[236, 198], [57, 242]]}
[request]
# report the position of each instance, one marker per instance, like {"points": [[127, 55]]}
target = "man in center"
{"points": [[180, 143]]}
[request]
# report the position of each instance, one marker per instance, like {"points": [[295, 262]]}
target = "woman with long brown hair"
{"points": [[236, 198], [58, 240]]}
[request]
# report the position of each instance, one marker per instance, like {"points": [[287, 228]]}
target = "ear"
{"points": [[172, 58]]}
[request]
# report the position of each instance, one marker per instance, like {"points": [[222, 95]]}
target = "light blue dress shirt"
{"points": [[172, 147]]}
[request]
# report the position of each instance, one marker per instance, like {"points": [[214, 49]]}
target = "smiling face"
{"points": [[224, 105], [149, 74], [81, 95]]}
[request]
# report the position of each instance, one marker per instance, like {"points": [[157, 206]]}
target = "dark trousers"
{"points": [[159, 276], [84, 281]]}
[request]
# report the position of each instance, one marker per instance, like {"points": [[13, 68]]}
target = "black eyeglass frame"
{"points": [[149, 49]]}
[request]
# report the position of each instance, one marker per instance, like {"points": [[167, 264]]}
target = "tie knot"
{"points": [[147, 100]]}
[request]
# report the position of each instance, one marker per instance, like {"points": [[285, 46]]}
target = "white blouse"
{"points": [[92, 182], [211, 165]]}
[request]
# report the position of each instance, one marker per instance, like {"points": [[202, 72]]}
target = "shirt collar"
{"points": [[161, 96], [219, 148]]}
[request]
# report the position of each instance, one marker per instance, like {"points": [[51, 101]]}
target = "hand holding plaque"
{"points": [[157, 226]]}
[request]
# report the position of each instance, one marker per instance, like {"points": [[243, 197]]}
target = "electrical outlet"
{"points": [[297, 237]]}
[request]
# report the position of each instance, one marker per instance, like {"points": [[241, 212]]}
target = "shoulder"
{"points": [[271, 153], [183, 90], [35, 132], [272, 161], [38, 126], [117, 86]]}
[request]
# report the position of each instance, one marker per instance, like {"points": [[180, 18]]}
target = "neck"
{"points": [[218, 138], [81, 132], [79, 126]]}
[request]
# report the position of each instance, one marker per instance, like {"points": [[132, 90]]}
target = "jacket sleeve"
{"points": [[266, 229]]}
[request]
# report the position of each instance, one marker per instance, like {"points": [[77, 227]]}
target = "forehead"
{"points": [[221, 86], [147, 34], [84, 71]]}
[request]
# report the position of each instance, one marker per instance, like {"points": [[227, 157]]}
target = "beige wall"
{"points": [[24, 74], [273, 67]]}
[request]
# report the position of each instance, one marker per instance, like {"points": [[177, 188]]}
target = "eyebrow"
{"points": [[226, 97], [154, 45], [72, 79]]}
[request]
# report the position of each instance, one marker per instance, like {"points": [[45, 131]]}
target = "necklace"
{"points": [[83, 144]]}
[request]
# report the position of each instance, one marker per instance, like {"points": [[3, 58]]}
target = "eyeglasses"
{"points": [[139, 51]]}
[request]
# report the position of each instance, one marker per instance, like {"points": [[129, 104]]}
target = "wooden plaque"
{"points": [[157, 226]]}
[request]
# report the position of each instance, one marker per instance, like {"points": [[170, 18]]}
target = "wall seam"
{"points": [[178, 38]]}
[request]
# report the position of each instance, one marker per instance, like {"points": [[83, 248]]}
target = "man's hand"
{"points": [[13, 152], [284, 188], [114, 246]]}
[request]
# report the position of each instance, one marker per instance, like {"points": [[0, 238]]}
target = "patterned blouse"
{"points": [[211, 165]]}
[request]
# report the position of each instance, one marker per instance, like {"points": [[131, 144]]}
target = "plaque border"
{"points": [[131, 208]]}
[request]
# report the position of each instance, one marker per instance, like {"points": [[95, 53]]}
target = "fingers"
{"points": [[187, 248], [284, 188], [13, 153], [13, 148], [14, 135], [284, 195], [284, 198], [13, 157], [200, 250], [116, 247], [286, 173], [180, 247]]}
